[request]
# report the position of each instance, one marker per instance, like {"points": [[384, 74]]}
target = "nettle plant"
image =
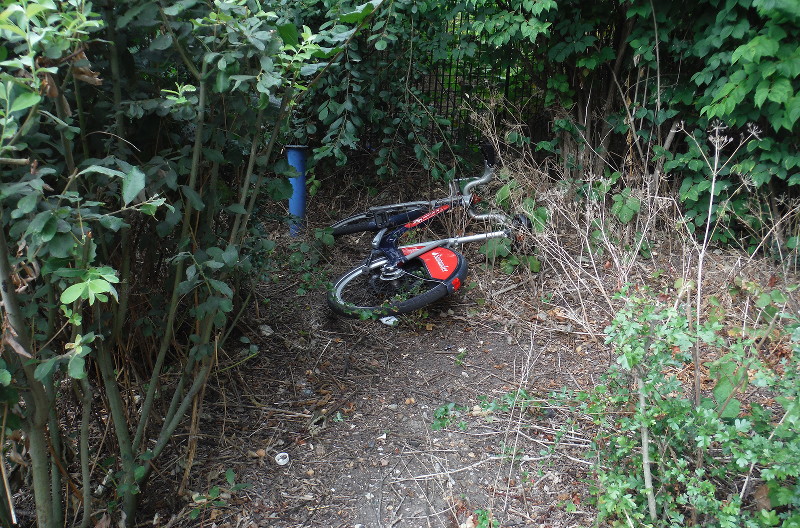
{"points": [[668, 455]]}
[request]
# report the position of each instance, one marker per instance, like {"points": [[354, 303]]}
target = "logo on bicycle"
{"points": [[440, 261], [427, 216]]}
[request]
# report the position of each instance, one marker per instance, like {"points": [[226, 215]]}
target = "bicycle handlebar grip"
{"points": [[489, 154]]}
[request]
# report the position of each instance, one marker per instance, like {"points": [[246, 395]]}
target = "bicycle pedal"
{"points": [[521, 221]]}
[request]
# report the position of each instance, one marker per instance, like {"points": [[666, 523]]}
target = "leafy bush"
{"points": [[704, 460], [125, 216]]}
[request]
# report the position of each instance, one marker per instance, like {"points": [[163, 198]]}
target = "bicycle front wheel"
{"points": [[369, 293]]}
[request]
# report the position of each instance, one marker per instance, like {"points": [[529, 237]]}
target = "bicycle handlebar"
{"points": [[490, 158], [489, 154]]}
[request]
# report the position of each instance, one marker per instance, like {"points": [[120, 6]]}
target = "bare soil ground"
{"points": [[354, 406], [345, 423]]}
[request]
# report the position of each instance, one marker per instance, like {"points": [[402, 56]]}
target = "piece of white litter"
{"points": [[390, 320]]}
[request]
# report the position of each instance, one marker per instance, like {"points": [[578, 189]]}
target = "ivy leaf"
{"points": [[496, 247]]}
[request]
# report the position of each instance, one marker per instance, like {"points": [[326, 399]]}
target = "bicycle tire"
{"points": [[366, 221], [362, 292]]}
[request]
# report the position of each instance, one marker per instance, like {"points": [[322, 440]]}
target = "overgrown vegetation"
{"points": [[127, 201], [139, 146], [723, 456]]}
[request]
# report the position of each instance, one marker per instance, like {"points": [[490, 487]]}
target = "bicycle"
{"points": [[396, 279]]}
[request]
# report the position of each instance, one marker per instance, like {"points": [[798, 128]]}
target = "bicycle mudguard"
{"points": [[443, 264]]}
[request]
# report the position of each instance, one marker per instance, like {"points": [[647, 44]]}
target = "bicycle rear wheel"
{"points": [[368, 293]]}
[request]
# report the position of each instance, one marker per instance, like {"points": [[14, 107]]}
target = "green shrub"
{"points": [[706, 460]]}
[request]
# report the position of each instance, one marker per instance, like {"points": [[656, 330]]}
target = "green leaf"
{"points": [[99, 286], [61, 244], [762, 92], [310, 69], [39, 222], [194, 199], [45, 368], [129, 15], [25, 100], [161, 42], [132, 184], [75, 367], [503, 194], [230, 256], [114, 223], [360, 13], [221, 287], [236, 209], [72, 293], [289, 34], [26, 204], [221, 82], [279, 189], [732, 409], [283, 168], [179, 7], [102, 170], [781, 91], [764, 300], [213, 155], [381, 45], [5, 378], [496, 247], [139, 472]]}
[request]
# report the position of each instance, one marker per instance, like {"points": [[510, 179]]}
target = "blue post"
{"points": [[296, 155]]}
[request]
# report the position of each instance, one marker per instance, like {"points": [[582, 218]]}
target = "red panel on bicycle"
{"points": [[441, 263]]}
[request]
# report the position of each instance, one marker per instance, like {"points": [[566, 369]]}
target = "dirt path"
{"points": [[417, 425]]}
